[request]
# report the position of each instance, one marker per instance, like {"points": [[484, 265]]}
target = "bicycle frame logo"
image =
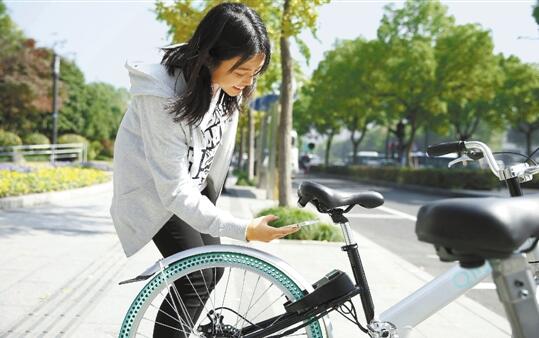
{"points": [[467, 278]]}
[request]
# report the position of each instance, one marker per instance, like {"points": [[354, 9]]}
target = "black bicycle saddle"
{"points": [[483, 228], [330, 199]]}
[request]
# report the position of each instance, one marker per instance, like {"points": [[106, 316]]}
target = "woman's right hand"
{"points": [[259, 230]]}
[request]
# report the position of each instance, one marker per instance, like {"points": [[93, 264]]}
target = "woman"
{"points": [[175, 142]]}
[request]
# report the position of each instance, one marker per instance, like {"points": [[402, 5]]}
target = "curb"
{"points": [[30, 200]]}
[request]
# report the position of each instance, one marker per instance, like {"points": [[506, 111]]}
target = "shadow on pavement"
{"points": [[239, 193]]}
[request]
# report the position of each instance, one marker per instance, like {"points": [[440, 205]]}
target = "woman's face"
{"points": [[233, 81]]}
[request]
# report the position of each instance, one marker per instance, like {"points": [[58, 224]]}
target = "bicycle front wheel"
{"points": [[217, 292]]}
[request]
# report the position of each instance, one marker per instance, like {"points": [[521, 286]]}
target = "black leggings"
{"points": [[176, 236]]}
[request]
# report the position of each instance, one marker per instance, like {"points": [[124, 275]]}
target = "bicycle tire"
{"points": [[212, 258]]}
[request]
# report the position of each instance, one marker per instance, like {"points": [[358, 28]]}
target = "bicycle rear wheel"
{"points": [[249, 290]]}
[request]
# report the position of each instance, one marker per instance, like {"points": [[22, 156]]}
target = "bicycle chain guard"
{"points": [[333, 285]]}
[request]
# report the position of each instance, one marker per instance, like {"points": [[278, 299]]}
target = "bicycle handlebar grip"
{"points": [[446, 148]]}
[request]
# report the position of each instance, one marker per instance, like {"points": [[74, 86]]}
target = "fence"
{"points": [[55, 151]]}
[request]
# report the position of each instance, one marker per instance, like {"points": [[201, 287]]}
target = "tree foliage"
{"points": [[468, 77], [423, 72], [518, 98], [25, 88]]}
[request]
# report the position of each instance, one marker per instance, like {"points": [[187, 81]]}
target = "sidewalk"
{"points": [[391, 278]]}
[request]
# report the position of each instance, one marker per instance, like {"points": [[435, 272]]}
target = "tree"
{"points": [[468, 76], [70, 117], [356, 72], [324, 114], [104, 108], [518, 98], [341, 92], [25, 88], [302, 119], [408, 36], [11, 36]]}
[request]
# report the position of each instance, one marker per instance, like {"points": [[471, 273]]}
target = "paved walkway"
{"points": [[61, 265]]}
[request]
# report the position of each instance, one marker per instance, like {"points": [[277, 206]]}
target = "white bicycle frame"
{"points": [[401, 318], [432, 297]]}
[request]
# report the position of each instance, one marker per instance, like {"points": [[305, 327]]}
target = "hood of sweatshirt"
{"points": [[153, 79]]}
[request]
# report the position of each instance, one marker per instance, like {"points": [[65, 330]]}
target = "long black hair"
{"points": [[227, 31]]}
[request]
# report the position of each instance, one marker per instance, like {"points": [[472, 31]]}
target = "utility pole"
{"points": [[55, 77]]}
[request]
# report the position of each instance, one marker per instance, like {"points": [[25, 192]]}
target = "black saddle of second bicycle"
{"points": [[330, 199], [483, 228]]}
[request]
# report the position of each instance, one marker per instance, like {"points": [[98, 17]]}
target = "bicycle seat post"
{"points": [[355, 261], [338, 218], [516, 290]]}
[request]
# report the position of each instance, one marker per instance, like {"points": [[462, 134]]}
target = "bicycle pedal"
{"points": [[333, 285]]}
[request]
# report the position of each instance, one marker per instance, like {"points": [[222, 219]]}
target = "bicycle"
{"points": [[299, 307], [513, 176]]}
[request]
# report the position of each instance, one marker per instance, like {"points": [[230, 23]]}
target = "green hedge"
{"points": [[13, 183], [533, 184], [36, 138], [317, 232], [431, 177], [8, 138], [94, 150], [108, 149], [243, 178], [72, 138]]}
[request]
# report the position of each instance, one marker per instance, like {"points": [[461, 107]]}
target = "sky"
{"points": [[102, 35]]}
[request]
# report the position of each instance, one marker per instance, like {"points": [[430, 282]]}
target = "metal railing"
{"points": [[55, 151]]}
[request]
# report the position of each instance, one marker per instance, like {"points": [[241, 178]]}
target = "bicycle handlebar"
{"points": [[481, 151], [446, 148], [487, 155]]}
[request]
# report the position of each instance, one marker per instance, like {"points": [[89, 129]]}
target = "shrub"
{"points": [[36, 138], [317, 232], [94, 150], [431, 177], [8, 138], [533, 184], [72, 138], [108, 149], [243, 178]]}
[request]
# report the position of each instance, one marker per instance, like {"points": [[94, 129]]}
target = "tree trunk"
{"points": [[388, 135], [527, 130], [529, 141], [328, 147], [356, 143], [285, 127], [240, 150], [354, 147], [251, 144], [400, 134], [409, 144]]}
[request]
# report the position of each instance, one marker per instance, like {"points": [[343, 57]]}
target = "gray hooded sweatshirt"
{"points": [[151, 165]]}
